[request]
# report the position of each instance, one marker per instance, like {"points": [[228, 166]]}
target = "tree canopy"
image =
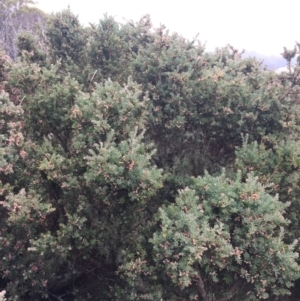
{"points": [[135, 165]]}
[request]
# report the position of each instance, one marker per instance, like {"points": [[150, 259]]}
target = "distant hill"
{"points": [[273, 62]]}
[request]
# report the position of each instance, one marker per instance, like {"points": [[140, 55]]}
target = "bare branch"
{"points": [[55, 296]]}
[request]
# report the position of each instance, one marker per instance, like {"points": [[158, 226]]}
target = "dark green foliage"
{"points": [[110, 53], [225, 234], [91, 173], [113, 141], [67, 42], [66, 37], [27, 43]]}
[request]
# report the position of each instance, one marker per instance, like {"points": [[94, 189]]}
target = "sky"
{"points": [[263, 26]]}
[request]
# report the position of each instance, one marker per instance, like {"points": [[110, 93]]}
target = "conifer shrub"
{"points": [[135, 165]]}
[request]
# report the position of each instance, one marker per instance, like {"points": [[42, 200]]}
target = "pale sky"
{"points": [[264, 26]]}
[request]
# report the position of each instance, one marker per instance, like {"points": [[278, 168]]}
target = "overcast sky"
{"points": [[264, 26]]}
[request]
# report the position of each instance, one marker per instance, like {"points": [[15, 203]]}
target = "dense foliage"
{"points": [[134, 165]]}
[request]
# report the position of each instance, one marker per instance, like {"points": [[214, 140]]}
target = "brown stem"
{"points": [[201, 285], [203, 291], [294, 82], [287, 92], [233, 291]]}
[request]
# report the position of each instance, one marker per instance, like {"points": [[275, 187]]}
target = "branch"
{"points": [[201, 285], [291, 87], [203, 291], [55, 296], [93, 76], [233, 291], [287, 92]]}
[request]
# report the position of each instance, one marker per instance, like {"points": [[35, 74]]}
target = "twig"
{"points": [[55, 296], [290, 88], [93, 75]]}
